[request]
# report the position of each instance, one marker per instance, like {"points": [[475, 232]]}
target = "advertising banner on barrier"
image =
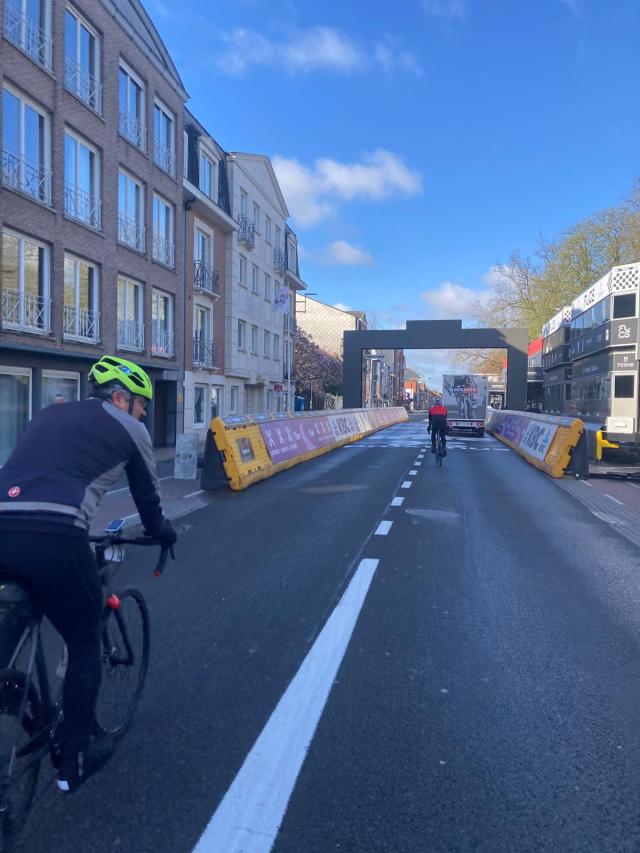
{"points": [[284, 440], [537, 439]]}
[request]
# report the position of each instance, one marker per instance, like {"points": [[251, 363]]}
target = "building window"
{"points": [[256, 218], [164, 143], [25, 284], [243, 271], [233, 399], [132, 124], [208, 175], [163, 245], [242, 335], [254, 340], [291, 257], [624, 387], [267, 286], [27, 23], [59, 386], [15, 402], [131, 229], [217, 395], [130, 318], [244, 202], [276, 347], [267, 344], [25, 146], [161, 323], [82, 60], [80, 316], [269, 400], [81, 181], [199, 404], [624, 306], [278, 237], [205, 275], [254, 278], [202, 343], [267, 229]]}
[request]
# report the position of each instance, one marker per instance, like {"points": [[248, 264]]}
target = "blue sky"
{"points": [[419, 142]]}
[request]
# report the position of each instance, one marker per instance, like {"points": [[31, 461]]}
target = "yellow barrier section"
{"points": [[602, 443], [258, 446], [543, 440]]}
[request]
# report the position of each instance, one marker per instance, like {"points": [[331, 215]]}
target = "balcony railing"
{"points": [[133, 129], [203, 351], [279, 262], [164, 156], [246, 231], [164, 251], [81, 323], [162, 340], [131, 233], [130, 335], [27, 35], [83, 84], [26, 176], [82, 206], [205, 277], [27, 311]]}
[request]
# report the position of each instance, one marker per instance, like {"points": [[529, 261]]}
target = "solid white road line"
{"points": [[249, 816], [406, 484], [193, 494], [383, 528], [611, 497], [397, 502]]}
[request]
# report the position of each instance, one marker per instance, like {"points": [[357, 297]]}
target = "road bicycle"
{"points": [[31, 708], [440, 451]]}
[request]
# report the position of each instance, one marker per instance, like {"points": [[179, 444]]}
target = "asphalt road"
{"points": [[488, 699]]}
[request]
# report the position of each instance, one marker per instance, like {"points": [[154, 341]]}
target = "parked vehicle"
{"points": [[465, 396]]}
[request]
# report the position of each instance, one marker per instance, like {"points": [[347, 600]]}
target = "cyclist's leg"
{"points": [[434, 432], [443, 436]]}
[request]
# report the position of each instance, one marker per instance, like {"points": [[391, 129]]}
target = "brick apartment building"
{"points": [[91, 206]]}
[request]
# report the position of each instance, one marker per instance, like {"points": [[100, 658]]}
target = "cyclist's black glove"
{"points": [[166, 535]]}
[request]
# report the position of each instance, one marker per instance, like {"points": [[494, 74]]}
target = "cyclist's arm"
{"points": [[143, 482]]}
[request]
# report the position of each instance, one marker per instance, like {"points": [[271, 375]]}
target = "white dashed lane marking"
{"points": [[611, 498], [406, 484], [397, 502], [383, 528], [413, 472]]}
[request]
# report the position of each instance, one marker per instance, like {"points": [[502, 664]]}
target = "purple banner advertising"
{"points": [[286, 439], [512, 427]]}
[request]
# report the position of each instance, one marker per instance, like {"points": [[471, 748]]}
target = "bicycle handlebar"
{"points": [[107, 539]]}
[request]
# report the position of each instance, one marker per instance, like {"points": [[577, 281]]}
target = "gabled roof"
{"points": [[242, 157], [132, 16]]}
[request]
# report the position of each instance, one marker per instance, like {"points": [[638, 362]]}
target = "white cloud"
{"points": [[311, 193], [303, 51], [342, 307], [450, 300], [341, 254], [449, 11]]}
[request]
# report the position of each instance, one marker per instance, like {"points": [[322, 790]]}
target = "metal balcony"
{"points": [[164, 156], [83, 84], [131, 233], [164, 251], [130, 335], [246, 231], [26, 176], [27, 35], [203, 351], [81, 323], [161, 341], [279, 261], [205, 277], [133, 129], [26, 311], [82, 206]]}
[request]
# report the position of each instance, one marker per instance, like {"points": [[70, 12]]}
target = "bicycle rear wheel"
{"points": [[20, 720], [125, 656]]}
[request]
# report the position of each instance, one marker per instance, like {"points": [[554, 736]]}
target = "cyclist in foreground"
{"points": [[438, 425], [50, 487]]}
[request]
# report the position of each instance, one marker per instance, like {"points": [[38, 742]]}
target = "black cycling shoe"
{"points": [[79, 767]]}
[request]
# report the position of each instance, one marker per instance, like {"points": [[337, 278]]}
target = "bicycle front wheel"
{"points": [[125, 656], [20, 721]]}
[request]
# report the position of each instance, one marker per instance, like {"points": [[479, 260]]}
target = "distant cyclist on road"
{"points": [[50, 488], [438, 425]]}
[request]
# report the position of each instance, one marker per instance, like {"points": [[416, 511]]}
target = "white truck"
{"points": [[465, 396]]}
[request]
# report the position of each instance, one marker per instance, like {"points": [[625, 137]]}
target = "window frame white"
{"points": [[205, 153], [255, 284], [94, 220], [199, 386], [43, 144], [11, 370], [81, 21], [94, 299], [63, 374], [254, 339], [140, 141], [139, 244], [256, 217], [276, 346], [244, 201], [242, 271], [166, 160], [266, 339], [242, 335], [139, 303], [267, 287], [44, 279], [30, 31], [267, 228], [157, 296], [234, 399], [168, 257]]}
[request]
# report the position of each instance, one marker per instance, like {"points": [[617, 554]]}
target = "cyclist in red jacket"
{"points": [[438, 425]]}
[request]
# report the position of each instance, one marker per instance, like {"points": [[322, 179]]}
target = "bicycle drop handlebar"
{"points": [[107, 539]]}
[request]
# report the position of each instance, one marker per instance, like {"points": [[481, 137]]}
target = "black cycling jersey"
{"points": [[67, 458]]}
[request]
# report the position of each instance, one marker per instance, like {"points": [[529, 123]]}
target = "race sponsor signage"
{"points": [[557, 356], [537, 438], [512, 427], [286, 439], [612, 333], [245, 449]]}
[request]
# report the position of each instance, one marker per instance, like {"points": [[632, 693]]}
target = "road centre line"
{"points": [[611, 497], [193, 494], [397, 502], [383, 528], [406, 485], [250, 814], [413, 472]]}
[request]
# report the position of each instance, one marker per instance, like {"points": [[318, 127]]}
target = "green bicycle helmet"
{"points": [[111, 370]]}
